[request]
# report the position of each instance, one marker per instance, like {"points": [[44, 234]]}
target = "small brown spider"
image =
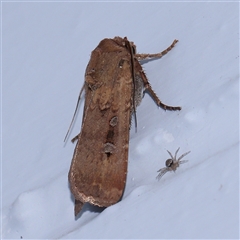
{"points": [[172, 164]]}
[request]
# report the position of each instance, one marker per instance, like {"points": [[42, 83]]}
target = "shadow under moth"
{"points": [[114, 85]]}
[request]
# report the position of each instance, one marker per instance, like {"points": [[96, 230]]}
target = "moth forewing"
{"points": [[114, 81], [99, 166]]}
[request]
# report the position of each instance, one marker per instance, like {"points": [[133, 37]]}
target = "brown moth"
{"points": [[114, 83]]}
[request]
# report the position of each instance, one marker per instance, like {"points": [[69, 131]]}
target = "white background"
{"points": [[45, 49]]}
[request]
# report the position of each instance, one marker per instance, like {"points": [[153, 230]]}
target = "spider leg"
{"points": [[175, 157], [183, 155], [183, 161], [162, 171], [170, 154]]}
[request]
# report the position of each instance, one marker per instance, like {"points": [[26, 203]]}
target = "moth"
{"points": [[172, 163], [114, 86]]}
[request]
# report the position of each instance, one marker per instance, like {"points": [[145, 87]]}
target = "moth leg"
{"points": [[154, 96], [155, 55], [78, 207]]}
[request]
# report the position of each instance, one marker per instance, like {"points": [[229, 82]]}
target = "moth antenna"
{"points": [[74, 115], [133, 76]]}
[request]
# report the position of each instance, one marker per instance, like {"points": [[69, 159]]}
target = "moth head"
{"points": [[121, 41], [126, 43], [132, 45]]}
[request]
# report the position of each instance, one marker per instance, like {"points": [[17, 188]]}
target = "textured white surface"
{"points": [[45, 49]]}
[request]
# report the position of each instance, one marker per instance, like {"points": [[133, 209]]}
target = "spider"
{"points": [[172, 164]]}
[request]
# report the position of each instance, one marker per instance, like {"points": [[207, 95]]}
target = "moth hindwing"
{"points": [[114, 82]]}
